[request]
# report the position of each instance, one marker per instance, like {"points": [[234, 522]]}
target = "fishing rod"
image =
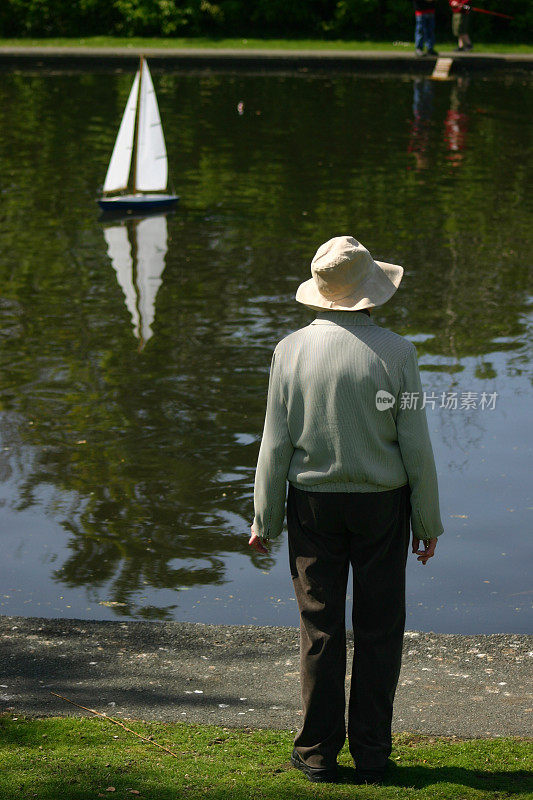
{"points": [[485, 11]]}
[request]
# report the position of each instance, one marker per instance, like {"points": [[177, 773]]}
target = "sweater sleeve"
{"points": [[275, 455], [417, 453]]}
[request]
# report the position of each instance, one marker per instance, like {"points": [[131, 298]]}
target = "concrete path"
{"points": [[247, 676], [401, 60]]}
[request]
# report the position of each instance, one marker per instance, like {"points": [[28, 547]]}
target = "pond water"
{"points": [[131, 407]]}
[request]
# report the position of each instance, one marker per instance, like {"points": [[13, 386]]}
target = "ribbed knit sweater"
{"points": [[324, 431]]}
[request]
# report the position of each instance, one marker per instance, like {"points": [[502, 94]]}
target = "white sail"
{"points": [[151, 252], [119, 251], [151, 160], [119, 166]]}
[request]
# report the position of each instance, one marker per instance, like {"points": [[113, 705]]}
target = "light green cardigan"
{"points": [[323, 430]]}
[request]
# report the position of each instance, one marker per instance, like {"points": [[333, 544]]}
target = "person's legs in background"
{"points": [[429, 33], [419, 35], [380, 538], [425, 34], [460, 30], [319, 561]]}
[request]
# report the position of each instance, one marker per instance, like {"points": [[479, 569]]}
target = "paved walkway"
{"points": [[247, 676], [401, 60]]}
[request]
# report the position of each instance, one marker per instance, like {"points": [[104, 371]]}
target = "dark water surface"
{"points": [[132, 396]]}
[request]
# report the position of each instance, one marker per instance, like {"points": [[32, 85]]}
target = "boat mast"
{"points": [[136, 136]]}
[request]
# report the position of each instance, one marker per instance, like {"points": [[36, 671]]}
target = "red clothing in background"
{"points": [[457, 6]]}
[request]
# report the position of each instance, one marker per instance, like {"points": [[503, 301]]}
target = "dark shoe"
{"points": [[371, 776], [315, 774], [468, 47], [432, 52], [419, 53], [376, 775], [459, 50]]}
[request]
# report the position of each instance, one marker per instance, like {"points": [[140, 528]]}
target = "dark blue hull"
{"points": [[138, 203]]}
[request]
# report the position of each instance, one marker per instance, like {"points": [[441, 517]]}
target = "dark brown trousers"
{"points": [[328, 531]]}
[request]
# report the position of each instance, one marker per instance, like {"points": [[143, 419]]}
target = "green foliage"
{"points": [[56, 17], [484, 26], [289, 18], [356, 18], [353, 19], [168, 17]]}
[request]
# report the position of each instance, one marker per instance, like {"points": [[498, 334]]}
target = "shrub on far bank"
{"points": [[344, 19]]}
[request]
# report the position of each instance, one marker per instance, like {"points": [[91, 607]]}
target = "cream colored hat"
{"points": [[346, 277]]}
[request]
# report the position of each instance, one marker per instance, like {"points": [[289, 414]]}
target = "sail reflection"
{"points": [[137, 249]]}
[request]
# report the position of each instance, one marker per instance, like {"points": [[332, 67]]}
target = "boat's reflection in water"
{"points": [[137, 249]]}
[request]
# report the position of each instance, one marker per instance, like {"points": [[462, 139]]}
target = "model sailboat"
{"points": [[140, 142]]}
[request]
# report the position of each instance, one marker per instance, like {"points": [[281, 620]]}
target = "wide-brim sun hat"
{"points": [[347, 278]]}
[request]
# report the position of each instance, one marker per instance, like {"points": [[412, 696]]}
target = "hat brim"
{"points": [[375, 290]]}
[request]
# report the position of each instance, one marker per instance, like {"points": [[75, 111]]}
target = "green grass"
{"points": [[80, 759], [251, 44]]}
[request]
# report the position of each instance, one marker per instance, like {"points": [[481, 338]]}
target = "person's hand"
{"points": [[427, 552], [257, 543]]}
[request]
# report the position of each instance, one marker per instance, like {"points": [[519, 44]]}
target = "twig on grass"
{"points": [[104, 716]]}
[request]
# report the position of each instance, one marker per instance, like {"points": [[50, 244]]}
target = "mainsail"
{"points": [[119, 166], [151, 159]]}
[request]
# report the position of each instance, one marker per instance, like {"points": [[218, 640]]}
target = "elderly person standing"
{"points": [[360, 469]]}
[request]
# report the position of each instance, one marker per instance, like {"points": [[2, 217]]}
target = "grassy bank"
{"points": [[84, 759], [252, 44]]}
